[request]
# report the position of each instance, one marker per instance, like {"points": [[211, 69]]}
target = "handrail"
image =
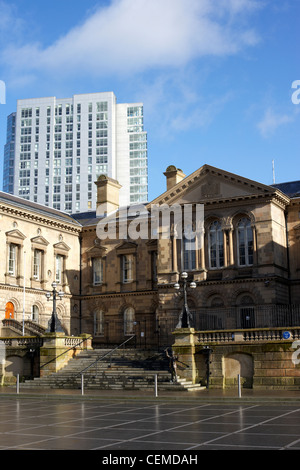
{"points": [[67, 350], [104, 355]]}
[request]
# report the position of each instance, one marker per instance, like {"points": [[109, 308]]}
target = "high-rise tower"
{"points": [[61, 146]]}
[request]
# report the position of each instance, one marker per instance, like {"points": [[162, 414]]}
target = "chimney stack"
{"points": [[173, 175], [107, 195]]}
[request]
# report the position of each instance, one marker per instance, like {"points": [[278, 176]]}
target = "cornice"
{"points": [[111, 295], [39, 219], [242, 280], [29, 290]]}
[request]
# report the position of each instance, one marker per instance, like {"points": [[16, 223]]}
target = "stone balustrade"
{"points": [[249, 335]]}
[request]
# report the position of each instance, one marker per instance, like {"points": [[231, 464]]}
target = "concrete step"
{"points": [[129, 369], [189, 385]]}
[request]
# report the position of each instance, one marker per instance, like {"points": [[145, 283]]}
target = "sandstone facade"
{"points": [[246, 265]]}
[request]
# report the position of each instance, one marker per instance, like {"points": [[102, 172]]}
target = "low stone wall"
{"points": [[28, 356], [261, 364]]}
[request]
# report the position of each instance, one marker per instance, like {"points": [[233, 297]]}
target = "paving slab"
{"points": [[137, 424]]}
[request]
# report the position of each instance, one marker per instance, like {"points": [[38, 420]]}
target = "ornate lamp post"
{"points": [[185, 318], [54, 323]]}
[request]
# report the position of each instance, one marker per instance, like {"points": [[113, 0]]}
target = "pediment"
{"points": [[62, 246], [15, 234], [212, 184], [297, 228], [126, 247], [40, 241], [96, 250]]}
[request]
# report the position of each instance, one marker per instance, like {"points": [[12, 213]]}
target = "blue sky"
{"points": [[215, 76]]}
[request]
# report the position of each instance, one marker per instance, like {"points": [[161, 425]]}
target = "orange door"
{"points": [[9, 310]]}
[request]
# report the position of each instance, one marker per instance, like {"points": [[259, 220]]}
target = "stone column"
{"points": [[225, 247], [231, 249], [56, 353], [184, 348]]}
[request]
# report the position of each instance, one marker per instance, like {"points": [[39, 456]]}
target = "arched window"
{"points": [[216, 301], [216, 245], [35, 313], [129, 316], [99, 322], [245, 242], [247, 311]]}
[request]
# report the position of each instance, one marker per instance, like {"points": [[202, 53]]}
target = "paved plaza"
{"points": [[186, 423]]}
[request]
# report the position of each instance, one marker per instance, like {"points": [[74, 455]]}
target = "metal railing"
{"points": [[61, 382], [66, 351], [109, 353]]}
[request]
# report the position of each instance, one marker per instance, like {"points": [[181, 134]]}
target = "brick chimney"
{"points": [[107, 195], [173, 175]]}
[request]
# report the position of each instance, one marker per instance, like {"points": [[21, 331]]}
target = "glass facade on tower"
{"points": [[57, 148]]}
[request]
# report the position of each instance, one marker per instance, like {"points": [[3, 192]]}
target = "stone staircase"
{"points": [[129, 369]]}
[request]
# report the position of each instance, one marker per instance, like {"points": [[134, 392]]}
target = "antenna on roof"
{"points": [[273, 167]]}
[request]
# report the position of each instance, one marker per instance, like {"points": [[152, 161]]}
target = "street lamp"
{"points": [[54, 323], [185, 318]]}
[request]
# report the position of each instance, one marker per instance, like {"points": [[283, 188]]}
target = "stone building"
{"points": [[245, 263], [39, 246]]}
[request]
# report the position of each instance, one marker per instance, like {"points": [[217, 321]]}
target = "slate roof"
{"points": [[86, 218], [291, 188], [24, 204]]}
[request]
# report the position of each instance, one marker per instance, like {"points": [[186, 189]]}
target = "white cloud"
{"points": [[271, 121], [131, 36], [10, 24]]}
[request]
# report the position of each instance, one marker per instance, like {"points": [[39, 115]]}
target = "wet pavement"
{"points": [[113, 421]]}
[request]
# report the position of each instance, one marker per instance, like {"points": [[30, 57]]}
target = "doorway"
{"points": [[9, 311]]}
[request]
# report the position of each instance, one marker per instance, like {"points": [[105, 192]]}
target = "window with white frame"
{"points": [[129, 316], [127, 268], [35, 313], [37, 264], [12, 259], [59, 262], [97, 264]]}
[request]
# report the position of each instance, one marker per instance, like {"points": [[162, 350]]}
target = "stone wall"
{"points": [[261, 365]]}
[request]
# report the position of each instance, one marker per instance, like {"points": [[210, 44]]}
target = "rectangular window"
{"points": [[12, 260], [127, 268], [97, 271], [37, 263], [189, 255], [99, 323], [58, 268]]}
